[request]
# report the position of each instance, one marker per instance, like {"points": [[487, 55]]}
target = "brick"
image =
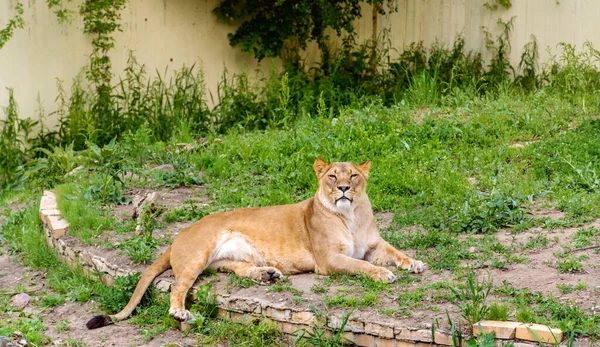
{"points": [[364, 340], [278, 314], [502, 330], [335, 322], [443, 339], [106, 280], [405, 344], [223, 314], [379, 330], [525, 344], [303, 317], [44, 214], [184, 326], [379, 342], [422, 335], [348, 336], [58, 226], [48, 201], [545, 334]]}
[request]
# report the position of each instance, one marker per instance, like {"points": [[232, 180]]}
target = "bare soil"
{"points": [[14, 278]]}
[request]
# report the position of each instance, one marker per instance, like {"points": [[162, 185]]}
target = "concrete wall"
{"points": [[174, 32]]}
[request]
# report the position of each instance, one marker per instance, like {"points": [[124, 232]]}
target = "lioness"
{"points": [[334, 231]]}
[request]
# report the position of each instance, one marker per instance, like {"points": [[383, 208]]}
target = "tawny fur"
{"points": [[334, 231]]}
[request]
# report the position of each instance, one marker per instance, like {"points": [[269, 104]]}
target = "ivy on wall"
{"points": [[15, 23], [101, 19]]}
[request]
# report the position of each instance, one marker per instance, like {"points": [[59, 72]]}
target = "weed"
{"points": [[204, 307], [566, 288], [498, 311], [471, 299], [113, 298], [571, 264], [284, 286], [191, 212], [52, 300], [242, 282], [62, 326], [340, 300], [318, 289], [318, 336]]}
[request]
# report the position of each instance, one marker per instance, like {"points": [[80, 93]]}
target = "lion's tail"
{"points": [[158, 267]]}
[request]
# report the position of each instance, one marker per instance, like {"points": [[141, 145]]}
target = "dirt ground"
{"points": [[15, 277]]}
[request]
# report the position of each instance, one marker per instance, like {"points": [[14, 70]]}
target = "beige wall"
{"points": [[161, 33], [175, 32]]}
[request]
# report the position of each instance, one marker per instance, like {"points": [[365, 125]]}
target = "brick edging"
{"points": [[246, 310]]}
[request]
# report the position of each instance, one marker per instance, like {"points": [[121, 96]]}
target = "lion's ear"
{"points": [[320, 166], [365, 167]]}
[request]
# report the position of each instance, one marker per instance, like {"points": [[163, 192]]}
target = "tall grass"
{"points": [[175, 106]]}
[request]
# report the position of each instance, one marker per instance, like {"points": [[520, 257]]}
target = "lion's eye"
{"points": [[332, 177], [353, 175]]}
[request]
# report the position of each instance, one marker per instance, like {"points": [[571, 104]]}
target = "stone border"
{"points": [[290, 321]]}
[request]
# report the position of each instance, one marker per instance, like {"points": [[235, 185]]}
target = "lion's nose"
{"points": [[343, 188]]}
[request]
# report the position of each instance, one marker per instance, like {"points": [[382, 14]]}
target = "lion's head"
{"points": [[341, 185]]}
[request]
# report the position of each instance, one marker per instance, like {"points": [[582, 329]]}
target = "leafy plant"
{"points": [[318, 336], [204, 307], [471, 299], [113, 298]]}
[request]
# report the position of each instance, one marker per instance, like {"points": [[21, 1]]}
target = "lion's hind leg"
{"points": [[186, 270], [246, 269]]}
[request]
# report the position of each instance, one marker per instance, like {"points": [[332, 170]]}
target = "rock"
{"points": [[5, 341], [139, 203], [21, 300], [164, 167]]}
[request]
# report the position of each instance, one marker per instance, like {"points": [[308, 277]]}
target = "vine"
{"points": [[101, 19], [16, 23], [62, 14]]}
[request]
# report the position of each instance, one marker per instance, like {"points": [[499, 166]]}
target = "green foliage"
{"points": [[471, 299], [204, 307], [259, 333], [101, 19], [318, 336], [498, 311], [242, 282], [112, 299], [566, 288], [191, 212], [265, 26], [15, 23]]}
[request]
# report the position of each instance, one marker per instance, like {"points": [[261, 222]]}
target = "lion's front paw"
{"points": [[382, 274], [268, 274], [181, 315], [416, 266]]}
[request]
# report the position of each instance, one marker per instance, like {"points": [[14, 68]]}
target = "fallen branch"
{"points": [[22, 291], [585, 248]]}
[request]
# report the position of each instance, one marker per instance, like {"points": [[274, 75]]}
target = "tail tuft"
{"points": [[98, 322]]}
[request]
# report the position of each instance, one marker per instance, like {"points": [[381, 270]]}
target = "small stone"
{"points": [[21, 300], [165, 167]]}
